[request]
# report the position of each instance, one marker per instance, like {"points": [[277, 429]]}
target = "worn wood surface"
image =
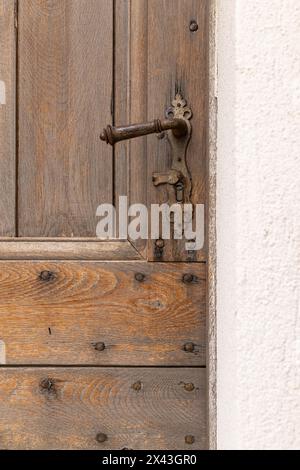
{"points": [[59, 319], [66, 249], [59, 312], [7, 118], [177, 63], [130, 104], [65, 88], [66, 408]]}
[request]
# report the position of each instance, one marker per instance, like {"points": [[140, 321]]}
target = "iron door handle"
{"points": [[111, 135], [177, 123]]}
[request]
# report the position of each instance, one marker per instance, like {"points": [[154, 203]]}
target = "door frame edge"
{"points": [[211, 229]]}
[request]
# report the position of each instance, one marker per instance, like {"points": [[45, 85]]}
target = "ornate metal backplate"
{"points": [[178, 176]]}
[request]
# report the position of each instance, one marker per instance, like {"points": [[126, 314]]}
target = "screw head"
{"points": [[99, 346], [193, 26], [189, 347], [189, 439], [139, 277], [46, 275], [101, 437]]}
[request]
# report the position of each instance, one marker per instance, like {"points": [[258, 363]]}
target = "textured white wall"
{"points": [[258, 211]]}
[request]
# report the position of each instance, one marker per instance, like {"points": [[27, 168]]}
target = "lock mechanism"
{"points": [[179, 129]]}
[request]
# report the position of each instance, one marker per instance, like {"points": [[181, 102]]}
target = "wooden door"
{"points": [[102, 343]]}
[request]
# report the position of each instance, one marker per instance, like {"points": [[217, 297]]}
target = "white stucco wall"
{"points": [[258, 212]]}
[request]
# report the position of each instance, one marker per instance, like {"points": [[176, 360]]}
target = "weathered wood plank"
{"points": [[7, 118], [177, 62], [131, 101], [66, 408], [65, 77], [162, 57], [62, 312], [66, 249]]}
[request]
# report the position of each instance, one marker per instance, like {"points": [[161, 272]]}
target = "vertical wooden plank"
{"points": [[7, 118], [65, 88], [177, 62], [131, 25], [161, 57]]}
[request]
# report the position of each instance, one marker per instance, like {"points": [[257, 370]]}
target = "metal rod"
{"points": [[111, 135]]}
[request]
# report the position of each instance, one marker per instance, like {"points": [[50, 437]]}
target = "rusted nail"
{"points": [[189, 387], [193, 26], [46, 275], [189, 347], [189, 439], [139, 277], [47, 384], [160, 243], [137, 386], [99, 346], [101, 437], [188, 278]]}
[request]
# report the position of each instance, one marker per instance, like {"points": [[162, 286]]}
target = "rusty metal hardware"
{"points": [[46, 276], [189, 347], [111, 135], [189, 278], [47, 385], [99, 346], [137, 386], [159, 248], [179, 131], [140, 277], [194, 26], [101, 437], [189, 439], [189, 387], [178, 178]]}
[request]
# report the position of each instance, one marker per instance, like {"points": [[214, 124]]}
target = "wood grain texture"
{"points": [[65, 88], [61, 319], [76, 404], [7, 118], [177, 62], [66, 249], [130, 104], [162, 57]]}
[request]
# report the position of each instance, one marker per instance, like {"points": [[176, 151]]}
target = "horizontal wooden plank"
{"points": [[59, 313], [137, 408], [58, 248]]}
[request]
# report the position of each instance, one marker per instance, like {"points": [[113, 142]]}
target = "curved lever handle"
{"points": [[111, 135]]}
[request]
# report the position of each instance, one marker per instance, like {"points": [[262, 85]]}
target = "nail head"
{"points": [[101, 437], [188, 278], [193, 26], [46, 275], [189, 347], [189, 387], [137, 386], [189, 439], [139, 277]]}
